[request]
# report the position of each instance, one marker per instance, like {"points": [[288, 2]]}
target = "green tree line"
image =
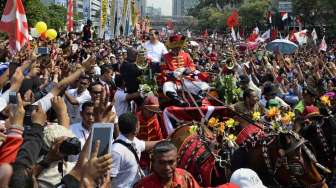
{"points": [[212, 14]]}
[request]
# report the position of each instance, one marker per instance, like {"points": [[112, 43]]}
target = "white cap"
{"points": [[53, 131], [246, 178]]}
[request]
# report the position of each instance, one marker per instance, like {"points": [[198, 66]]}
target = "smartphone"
{"points": [[104, 133], [29, 109], [12, 98], [43, 51]]}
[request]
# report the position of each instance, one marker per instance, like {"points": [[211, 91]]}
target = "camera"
{"points": [[70, 146]]}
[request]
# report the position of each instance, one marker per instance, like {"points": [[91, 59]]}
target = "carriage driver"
{"points": [[177, 64]]}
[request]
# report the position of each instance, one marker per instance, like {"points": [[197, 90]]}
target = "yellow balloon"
{"points": [[51, 34], [41, 27]]}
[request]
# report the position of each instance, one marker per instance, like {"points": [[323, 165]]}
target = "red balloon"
{"points": [[43, 36]]}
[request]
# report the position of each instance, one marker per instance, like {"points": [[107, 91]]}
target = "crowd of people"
{"points": [[61, 94]]}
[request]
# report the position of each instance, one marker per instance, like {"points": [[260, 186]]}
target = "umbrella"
{"points": [[282, 45], [193, 43]]}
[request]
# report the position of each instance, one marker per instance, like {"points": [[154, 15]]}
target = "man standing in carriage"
{"points": [[179, 65]]}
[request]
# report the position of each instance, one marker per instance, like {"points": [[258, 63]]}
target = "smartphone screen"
{"points": [[104, 134], [12, 98], [43, 51]]}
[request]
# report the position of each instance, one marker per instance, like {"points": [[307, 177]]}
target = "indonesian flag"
{"points": [[301, 36], [314, 35], [269, 17], [233, 34], [323, 45], [284, 16], [238, 36], [70, 16], [256, 30], [291, 36], [266, 35], [14, 22]]}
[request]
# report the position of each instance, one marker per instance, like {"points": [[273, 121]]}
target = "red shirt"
{"points": [[9, 149], [150, 129], [181, 179], [183, 60]]}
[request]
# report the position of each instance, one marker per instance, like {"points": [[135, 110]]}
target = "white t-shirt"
{"points": [[121, 105], [125, 169], [80, 132], [74, 110], [155, 51]]}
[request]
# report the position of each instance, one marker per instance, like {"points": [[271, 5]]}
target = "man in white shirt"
{"points": [[76, 97], [121, 98], [82, 129], [155, 50], [126, 170]]}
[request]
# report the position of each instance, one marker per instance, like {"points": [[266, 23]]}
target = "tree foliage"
{"points": [[212, 14], [253, 12], [317, 13]]}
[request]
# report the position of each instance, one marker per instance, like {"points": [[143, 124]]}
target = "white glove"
{"points": [[179, 72]]}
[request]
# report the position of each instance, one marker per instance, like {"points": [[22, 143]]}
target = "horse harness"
{"points": [[297, 168], [199, 161]]}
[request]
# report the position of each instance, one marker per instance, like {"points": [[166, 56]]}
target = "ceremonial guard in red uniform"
{"points": [[150, 129], [177, 64]]}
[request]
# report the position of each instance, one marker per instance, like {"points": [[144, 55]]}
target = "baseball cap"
{"points": [[246, 178]]}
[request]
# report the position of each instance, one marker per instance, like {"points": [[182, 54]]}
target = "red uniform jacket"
{"points": [[182, 60]]}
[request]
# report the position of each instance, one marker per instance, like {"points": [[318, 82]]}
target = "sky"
{"points": [[165, 5]]}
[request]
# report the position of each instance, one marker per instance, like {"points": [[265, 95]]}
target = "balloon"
{"points": [[34, 33], [41, 27], [51, 34], [43, 36]]}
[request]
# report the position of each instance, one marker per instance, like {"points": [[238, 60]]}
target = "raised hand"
{"points": [[39, 116]]}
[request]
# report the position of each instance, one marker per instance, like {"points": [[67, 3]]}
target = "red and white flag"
{"points": [[270, 17], [323, 45], [256, 30], [265, 36], [284, 16], [301, 36], [70, 16], [233, 34], [14, 22]]}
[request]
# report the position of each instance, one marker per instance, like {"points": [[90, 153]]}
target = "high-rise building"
{"points": [[153, 12], [181, 7], [57, 2], [141, 5]]}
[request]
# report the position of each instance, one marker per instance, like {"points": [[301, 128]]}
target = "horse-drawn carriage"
{"points": [[211, 145], [212, 142]]}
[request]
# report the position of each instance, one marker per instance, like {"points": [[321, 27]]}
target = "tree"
{"points": [[253, 12], [57, 16], [317, 13]]}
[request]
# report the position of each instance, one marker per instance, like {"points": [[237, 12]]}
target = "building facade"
{"points": [[141, 6], [58, 2], [153, 12], [181, 7]]}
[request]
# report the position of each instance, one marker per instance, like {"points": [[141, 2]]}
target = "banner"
{"points": [[87, 10], [103, 17], [113, 16], [119, 10]]}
